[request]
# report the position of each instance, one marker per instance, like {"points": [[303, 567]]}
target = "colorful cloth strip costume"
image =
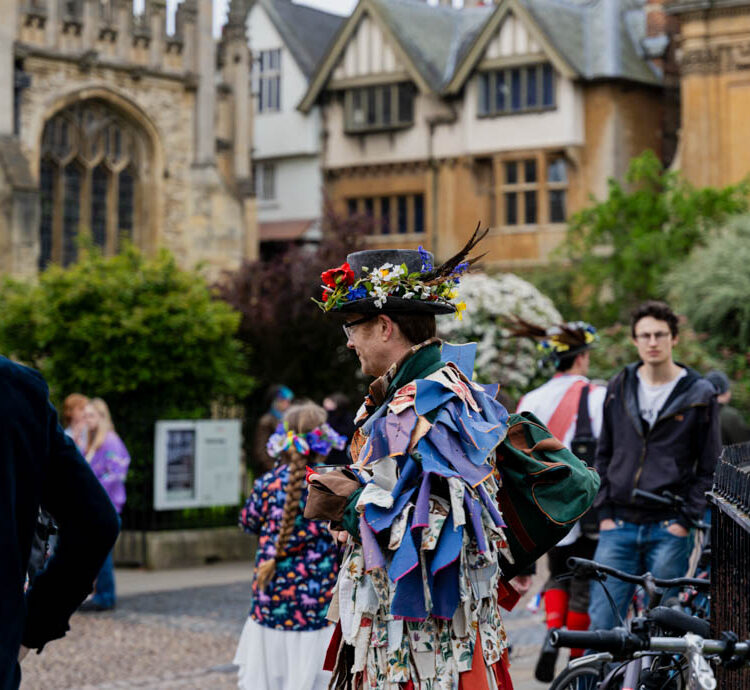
{"points": [[417, 595]]}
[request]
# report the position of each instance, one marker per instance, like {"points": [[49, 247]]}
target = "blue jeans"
{"points": [[635, 549], [104, 589]]}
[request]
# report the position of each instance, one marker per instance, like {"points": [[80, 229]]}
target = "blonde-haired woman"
{"points": [[109, 459], [284, 640]]}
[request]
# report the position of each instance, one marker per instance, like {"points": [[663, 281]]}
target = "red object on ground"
{"points": [[556, 607], [577, 621]]}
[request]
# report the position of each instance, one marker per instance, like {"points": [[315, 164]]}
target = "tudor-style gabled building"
{"points": [[436, 118]]}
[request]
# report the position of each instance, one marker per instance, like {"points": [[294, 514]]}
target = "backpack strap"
{"points": [[583, 423], [562, 417]]}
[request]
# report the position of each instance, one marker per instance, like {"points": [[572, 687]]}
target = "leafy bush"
{"points": [[712, 286], [490, 300], [623, 246], [144, 335]]}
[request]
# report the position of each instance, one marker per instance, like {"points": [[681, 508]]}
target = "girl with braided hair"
{"points": [[286, 634]]}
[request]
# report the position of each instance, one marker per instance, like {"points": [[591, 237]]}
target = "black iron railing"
{"points": [[730, 554]]}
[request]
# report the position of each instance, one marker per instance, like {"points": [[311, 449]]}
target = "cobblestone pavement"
{"points": [[186, 639]]}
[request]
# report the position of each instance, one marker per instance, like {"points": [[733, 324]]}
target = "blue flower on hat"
{"points": [[426, 259], [356, 293]]}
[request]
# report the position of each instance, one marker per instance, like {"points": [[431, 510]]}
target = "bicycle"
{"points": [[691, 648], [591, 670]]}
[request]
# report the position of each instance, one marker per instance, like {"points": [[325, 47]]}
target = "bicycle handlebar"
{"points": [[617, 641], [620, 641], [588, 568], [676, 503]]}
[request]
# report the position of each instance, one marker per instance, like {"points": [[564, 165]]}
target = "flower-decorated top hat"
{"points": [[402, 281], [556, 342]]}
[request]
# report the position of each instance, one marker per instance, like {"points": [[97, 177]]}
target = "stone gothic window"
{"points": [[91, 174]]}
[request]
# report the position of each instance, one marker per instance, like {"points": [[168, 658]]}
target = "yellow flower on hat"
{"points": [[460, 308]]}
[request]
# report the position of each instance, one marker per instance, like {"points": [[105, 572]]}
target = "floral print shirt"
{"points": [[298, 594]]}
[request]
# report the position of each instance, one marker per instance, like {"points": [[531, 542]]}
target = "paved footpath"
{"points": [[179, 629]]}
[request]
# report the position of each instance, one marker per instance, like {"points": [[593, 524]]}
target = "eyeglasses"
{"points": [[646, 337], [351, 324]]}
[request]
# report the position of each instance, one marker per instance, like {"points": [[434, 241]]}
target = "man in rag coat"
{"points": [[417, 599]]}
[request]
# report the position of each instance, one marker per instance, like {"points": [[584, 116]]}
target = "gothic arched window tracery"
{"points": [[92, 171]]}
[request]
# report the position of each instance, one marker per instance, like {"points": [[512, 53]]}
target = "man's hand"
{"points": [[677, 530], [607, 524], [521, 583], [22, 653], [339, 535]]}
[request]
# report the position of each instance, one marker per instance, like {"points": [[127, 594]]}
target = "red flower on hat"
{"points": [[326, 293], [334, 277]]}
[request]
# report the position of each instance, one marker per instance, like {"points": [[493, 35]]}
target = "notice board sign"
{"points": [[196, 463]]}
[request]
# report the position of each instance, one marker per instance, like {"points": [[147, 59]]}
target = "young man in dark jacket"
{"points": [[41, 466], [660, 432]]}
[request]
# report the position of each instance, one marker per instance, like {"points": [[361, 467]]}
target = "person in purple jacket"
{"points": [[109, 459]]}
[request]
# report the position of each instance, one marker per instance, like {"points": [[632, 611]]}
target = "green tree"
{"points": [[712, 288], [144, 335], [622, 247]]}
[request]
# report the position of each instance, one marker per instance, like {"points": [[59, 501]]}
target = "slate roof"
{"points": [[307, 32], [438, 38]]}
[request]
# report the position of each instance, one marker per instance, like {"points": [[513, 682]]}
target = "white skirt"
{"points": [[271, 659]]}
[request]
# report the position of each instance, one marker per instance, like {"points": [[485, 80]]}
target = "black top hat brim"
{"points": [[395, 305]]}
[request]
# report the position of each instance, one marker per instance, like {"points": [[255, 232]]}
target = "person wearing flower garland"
{"points": [[571, 407], [417, 598], [286, 632]]}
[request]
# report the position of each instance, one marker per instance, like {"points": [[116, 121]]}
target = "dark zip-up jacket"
{"points": [[40, 465], [678, 453]]}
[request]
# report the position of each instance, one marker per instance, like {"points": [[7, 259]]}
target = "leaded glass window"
{"points": [[91, 177], [99, 206]]}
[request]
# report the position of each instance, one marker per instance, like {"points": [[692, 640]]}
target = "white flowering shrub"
{"points": [[490, 301]]}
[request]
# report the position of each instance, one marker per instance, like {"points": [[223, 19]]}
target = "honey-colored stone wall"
{"points": [[714, 60]]}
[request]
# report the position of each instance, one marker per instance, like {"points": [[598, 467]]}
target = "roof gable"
{"points": [[370, 52], [509, 33], [583, 40], [364, 9]]}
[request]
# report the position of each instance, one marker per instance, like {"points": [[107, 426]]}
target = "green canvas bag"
{"points": [[546, 490]]}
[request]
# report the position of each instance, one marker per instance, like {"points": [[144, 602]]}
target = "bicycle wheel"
{"points": [[580, 678]]}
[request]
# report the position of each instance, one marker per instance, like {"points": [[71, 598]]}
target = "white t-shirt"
{"points": [[651, 399]]}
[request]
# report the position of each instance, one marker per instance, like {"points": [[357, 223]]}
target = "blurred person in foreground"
{"points": [[42, 467], [286, 633], [108, 457], [341, 418], [660, 432], [418, 595], [571, 407], [279, 399], [734, 428], [73, 420]]}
